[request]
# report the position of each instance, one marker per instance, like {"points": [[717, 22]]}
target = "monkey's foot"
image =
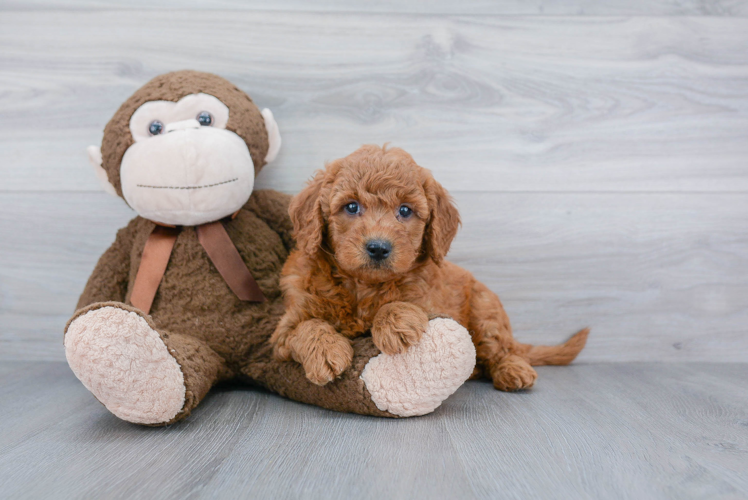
{"points": [[417, 381], [123, 361]]}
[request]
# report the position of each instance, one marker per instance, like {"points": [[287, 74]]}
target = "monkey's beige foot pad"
{"points": [[418, 381], [126, 365]]}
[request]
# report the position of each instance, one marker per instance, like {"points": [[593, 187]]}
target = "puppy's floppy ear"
{"points": [[444, 221], [307, 217]]}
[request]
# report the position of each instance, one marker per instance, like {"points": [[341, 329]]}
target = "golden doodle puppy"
{"points": [[372, 231]]}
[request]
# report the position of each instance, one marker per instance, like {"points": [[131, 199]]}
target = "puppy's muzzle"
{"points": [[378, 250]]}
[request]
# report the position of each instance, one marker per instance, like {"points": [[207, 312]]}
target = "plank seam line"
{"points": [[96, 10]]}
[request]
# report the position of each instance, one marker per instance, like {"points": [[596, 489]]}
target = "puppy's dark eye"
{"points": [[405, 211], [204, 118], [155, 128], [352, 208]]}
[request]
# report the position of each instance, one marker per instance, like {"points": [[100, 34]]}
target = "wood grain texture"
{"points": [[597, 152], [487, 102], [656, 277], [599, 162], [587, 431], [473, 7]]}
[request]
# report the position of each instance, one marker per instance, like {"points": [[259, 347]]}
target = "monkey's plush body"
{"points": [[153, 364], [210, 332]]}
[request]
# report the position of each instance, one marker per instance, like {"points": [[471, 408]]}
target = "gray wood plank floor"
{"points": [[635, 431]]}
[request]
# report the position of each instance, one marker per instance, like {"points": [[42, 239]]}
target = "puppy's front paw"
{"points": [[327, 360], [513, 373], [323, 352], [397, 326]]}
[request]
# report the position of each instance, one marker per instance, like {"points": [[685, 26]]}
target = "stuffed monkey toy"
{"points": [[188, 294]]}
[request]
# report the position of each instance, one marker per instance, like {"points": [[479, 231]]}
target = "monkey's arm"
{"points": [[272, 207], [109, 279]]}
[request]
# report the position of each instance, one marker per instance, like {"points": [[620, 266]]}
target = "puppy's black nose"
{"points": [[378, 249]]}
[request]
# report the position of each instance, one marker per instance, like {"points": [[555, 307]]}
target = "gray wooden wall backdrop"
{"points": [[598, 151]]}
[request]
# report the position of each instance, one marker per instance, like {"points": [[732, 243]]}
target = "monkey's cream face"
{"points": [[185, 168]]}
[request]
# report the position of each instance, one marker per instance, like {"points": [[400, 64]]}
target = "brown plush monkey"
{"points": [[188, 294]]}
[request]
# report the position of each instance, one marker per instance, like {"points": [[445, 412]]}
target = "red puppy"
{"points": [[372, 230]]}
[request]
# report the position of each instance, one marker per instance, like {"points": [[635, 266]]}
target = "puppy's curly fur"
{"points": [[337, 286]]}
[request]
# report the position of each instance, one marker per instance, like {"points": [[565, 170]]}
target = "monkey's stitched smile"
{"points": [[189, 187]]}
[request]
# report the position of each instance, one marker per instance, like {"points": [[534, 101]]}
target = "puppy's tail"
{"points": [[561, 354]]}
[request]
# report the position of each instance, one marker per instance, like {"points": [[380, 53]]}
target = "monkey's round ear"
{"points": [[274, 137], [94, 157]]}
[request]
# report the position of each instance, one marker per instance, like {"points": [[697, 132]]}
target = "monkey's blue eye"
{"points": [[405, 211], [156, 127], [205, 119], [352, 208]]}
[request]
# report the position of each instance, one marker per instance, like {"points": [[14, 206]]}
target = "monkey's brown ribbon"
{"points": [[152, 267], [219, 247], [221, 250]]}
